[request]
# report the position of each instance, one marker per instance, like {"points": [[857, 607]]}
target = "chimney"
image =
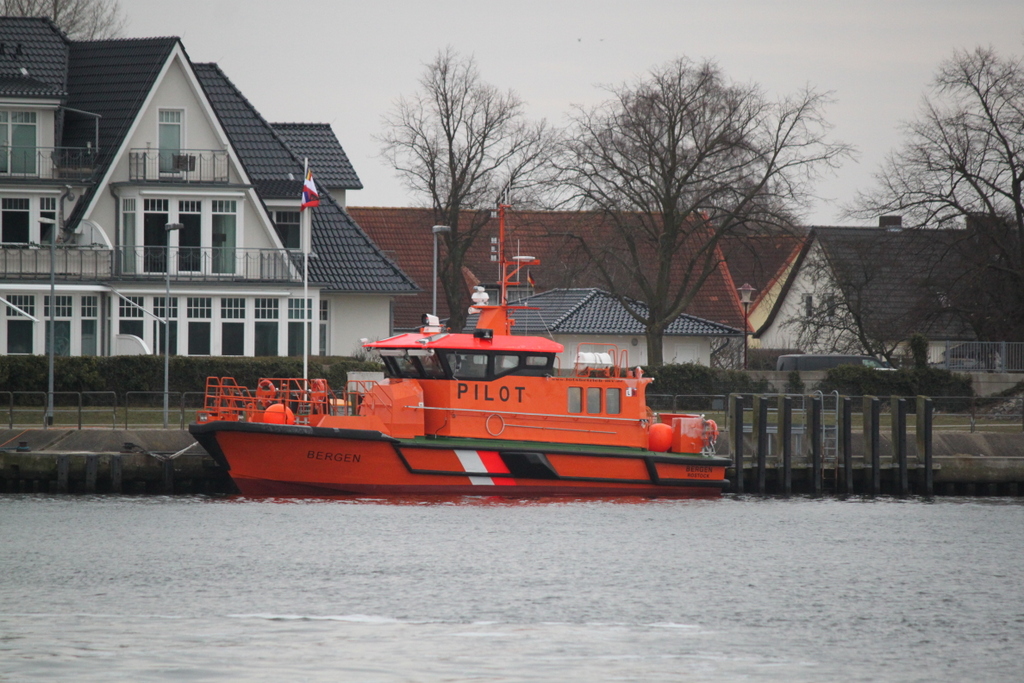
{"points": [[891, 222]]}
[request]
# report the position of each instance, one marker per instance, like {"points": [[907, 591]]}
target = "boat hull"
{"points": [[289, 460]]}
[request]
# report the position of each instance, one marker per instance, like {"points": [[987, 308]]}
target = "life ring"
{"points": [[266, 392], [639, 372], [501, 423], [318, 391]]}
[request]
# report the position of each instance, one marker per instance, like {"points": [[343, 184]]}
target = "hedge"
{"points": [[146, 373], [854, 380], [690, 378]]}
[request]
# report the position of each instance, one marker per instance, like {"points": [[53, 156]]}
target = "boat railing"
{"points": [[358, 391], [281, 400]]}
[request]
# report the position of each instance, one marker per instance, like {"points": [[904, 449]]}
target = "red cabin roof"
{"points": [[467, 342]]}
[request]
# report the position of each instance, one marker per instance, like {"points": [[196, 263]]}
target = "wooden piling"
{"points": [[761, 429], [872, 410], [736, 431], [845, 438], [786, 438], [924, 442], [900, 446], [814, 427]]}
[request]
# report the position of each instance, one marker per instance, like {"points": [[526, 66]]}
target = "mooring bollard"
{"points": [[736, 414], [761, 429], [786, 438], [845, 438], [815, 438]]}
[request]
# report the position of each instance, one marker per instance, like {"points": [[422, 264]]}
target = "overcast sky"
{"points": [[346, 62]]}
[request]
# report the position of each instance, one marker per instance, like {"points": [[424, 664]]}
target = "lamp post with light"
{"points": [[437, 229], [169, 227], [746, 295]]}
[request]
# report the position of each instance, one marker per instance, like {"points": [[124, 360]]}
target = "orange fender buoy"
{"points": [[659, 437], [279, 414]]}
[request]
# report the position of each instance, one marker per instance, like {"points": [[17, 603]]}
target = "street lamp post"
{"points": [[746, 295], [51, 335], [437, 229], [169, 227]]}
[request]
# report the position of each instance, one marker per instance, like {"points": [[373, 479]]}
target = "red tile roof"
{"points": [[404, 234]]}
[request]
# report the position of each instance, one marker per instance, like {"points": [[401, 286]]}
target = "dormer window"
{"points": [[170, 140], [287, 225], [18, 140]]}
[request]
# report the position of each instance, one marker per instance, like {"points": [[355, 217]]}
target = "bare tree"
{"points": [[462, 145], [962, 166], [79, 19], [679, 160]]}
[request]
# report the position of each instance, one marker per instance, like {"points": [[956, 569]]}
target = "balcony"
{"points": [[180, 166], [48, 163], [190, 264]]}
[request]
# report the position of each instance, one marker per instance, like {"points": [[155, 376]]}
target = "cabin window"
{"points": [[468, 365], [432, 368], [504, 363], [613, 401], [575, 399], [593, 400], [405, 366]]}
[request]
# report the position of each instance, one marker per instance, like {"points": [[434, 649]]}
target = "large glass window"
{"points": [[61, 326], [287, 225], [199, 308], [266, 330], [128, 238], [158, 325], [14, 216], [593, 400], [575, 399], [131, 316], [90, 311], [467, 365], [224, 235], [232, 333], [47, 210], [190, 236], [170, 140], [19, 331], [613, 401], [18, 142], [154, 228]]}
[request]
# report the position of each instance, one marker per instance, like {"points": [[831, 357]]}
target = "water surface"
{"points": [[477, 589]]}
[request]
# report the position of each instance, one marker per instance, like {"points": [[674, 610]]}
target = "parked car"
{"points": [[805, 362]]}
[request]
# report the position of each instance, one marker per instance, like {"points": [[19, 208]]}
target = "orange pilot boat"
{"points": [[480, 413]]}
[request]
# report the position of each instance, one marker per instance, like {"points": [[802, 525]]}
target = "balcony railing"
{"points": [[178, 166], [146, 263], [48, 163]]}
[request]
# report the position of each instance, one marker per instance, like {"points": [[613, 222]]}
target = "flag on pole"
{"points": [[310, 197], [529, 279]]}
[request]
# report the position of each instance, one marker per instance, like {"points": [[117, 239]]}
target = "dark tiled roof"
{"points": [[404, 234], [594, 311], [891, 272], [760, 260], [346, 259], [37, 46], [111, 78], [317, 142]]}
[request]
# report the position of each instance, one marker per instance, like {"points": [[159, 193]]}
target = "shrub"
{"points": [[690, 378], [855, 380]]}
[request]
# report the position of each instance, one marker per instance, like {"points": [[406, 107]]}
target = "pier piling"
{"points": [[814, 427]]}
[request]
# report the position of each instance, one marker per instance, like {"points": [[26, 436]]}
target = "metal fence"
{"points": [[978, 356]]}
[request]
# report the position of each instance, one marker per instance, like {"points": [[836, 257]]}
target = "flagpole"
{"points": [[307, 230]]}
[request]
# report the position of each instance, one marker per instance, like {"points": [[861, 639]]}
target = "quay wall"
{"points": [[169, 461]]}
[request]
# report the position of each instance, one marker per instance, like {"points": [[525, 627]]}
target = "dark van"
{"points": [[807, 362]]}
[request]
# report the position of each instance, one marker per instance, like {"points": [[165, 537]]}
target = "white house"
{"points": [[149, 172]]}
